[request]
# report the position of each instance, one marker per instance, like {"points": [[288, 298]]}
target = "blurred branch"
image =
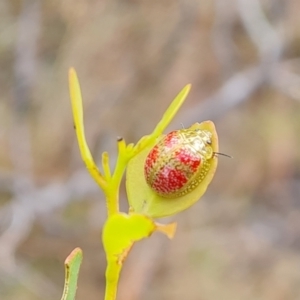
{"points": [[287, 82], [222, 36], [243, 84], [171, 48], [266, 39], [234, 91], [25, 208], [24, 73], [25, 54], [20, 215]]}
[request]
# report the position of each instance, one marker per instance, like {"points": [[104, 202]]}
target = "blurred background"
{"points": [[242, 57]]}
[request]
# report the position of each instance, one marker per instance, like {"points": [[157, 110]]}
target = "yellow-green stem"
{"points": [[112, 193], [112, 202], [112, 278]]}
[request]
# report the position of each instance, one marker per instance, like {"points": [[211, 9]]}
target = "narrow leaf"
{"points": [[148, 141], [76, 100], [171, 111], [72, 266]]}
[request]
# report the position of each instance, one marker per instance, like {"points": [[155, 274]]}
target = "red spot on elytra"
{"points": [[187, 158], [171, 139], [151, 159], [169, 180]]}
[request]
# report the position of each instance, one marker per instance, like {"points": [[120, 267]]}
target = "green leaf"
{"points": [[119, 234], [122, 230], [72, 266], [144, 201]]}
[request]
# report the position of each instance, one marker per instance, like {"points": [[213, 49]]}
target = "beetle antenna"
{"points": [[223, 154]]}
